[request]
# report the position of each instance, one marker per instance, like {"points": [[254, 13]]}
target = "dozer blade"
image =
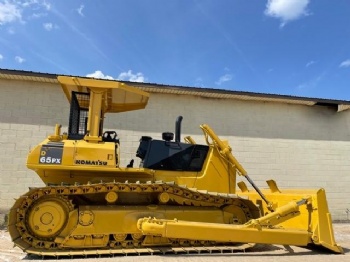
{"points": [[321, 225], [299, 218]]}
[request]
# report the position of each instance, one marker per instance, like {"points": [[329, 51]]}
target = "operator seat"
{"points": [[112, 136]]}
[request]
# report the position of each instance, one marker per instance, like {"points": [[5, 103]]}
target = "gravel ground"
{"points": [[259, 253]]}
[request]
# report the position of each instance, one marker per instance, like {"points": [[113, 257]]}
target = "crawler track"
{"points": [[30, 239]]}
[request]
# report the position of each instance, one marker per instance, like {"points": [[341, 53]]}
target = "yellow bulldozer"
{"points": [[181, 198]]}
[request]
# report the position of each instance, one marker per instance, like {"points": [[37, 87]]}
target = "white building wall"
{"points": [[298, 146]]}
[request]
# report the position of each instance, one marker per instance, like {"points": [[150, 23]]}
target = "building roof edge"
{"points": [[339, 105]]}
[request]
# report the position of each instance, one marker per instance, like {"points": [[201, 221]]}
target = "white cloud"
{"points": [[13, 10], [345, 63], [129, 76], [38, 15], [46, 5], [198, 82], [49, 26], [224, 78], [310, 63], [9, 12], [287, 10], [100, 75], [19, 59], [1, 57], [312, 83], [35, 3], [80, 10]]}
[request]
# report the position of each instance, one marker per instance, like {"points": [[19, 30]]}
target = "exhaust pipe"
{"points": [[178, 129]]}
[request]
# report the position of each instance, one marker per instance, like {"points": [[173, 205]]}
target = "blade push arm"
{"points": [[261, 230]]}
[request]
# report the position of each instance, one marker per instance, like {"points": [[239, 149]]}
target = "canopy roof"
{"points": [[117, 96]]}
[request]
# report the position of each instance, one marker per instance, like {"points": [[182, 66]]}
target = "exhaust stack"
{"points": [[178, 129]]}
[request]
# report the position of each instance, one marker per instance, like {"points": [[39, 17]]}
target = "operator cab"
{"points": [[78, 119]]}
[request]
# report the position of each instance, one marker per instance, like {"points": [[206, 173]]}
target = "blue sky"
{"points": [[290, 47]]}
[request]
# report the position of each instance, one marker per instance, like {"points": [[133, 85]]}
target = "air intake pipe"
{"points": [[178, 129]]}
